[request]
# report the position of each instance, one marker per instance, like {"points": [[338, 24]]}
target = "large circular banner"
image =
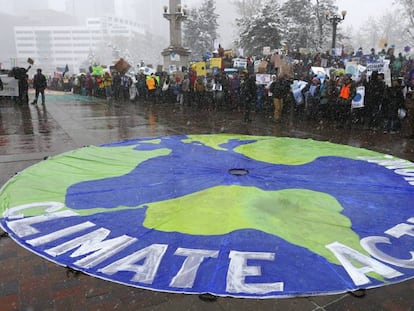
{"points": [[231, 215]]}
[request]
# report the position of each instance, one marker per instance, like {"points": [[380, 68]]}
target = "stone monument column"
{"points": [[175, 55]]}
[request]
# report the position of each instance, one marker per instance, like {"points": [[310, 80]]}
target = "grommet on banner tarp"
{"points": [[70, 271], [360, 293], [238, 171], [207, 297]]}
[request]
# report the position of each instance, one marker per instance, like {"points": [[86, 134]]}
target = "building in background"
{"points": [[80, 29], [75, 46], [38, 18]]}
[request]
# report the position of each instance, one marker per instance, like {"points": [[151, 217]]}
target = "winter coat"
{"points": [[393, 100], [39, 81]]}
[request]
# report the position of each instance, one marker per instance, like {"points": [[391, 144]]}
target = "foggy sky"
{"points": [[358, 11]]}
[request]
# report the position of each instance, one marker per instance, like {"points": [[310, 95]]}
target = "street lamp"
{"points": [[335, 19]]}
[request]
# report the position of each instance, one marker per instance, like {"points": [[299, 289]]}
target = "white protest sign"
{"points": [[387, 72], [297, 88], [266, 50], [376, 66], [239, 63], [256, 65], [352, 69], [319, 72], [358, 100], [10, 86], [262, 78]]}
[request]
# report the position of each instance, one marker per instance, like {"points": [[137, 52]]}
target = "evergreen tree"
{"points": [[300, 25], [260, 29], [247, 7], [200, 29]]}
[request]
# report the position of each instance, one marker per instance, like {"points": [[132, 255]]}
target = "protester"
{"points": [[39, 84], [185, 91], [409, 104], [248, 92], [347, 92], [312, 98], [89, 85], [152, 84], [199, 90], [279, 89], [327, 100], [373, 100], [393, 100], [116, 85], [107, 81]]}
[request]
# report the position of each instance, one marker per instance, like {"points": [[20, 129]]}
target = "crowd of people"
{"points": [[323, 98], [328, 97]]}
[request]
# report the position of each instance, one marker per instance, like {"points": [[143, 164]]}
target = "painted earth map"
{"points": [[230, 215]]}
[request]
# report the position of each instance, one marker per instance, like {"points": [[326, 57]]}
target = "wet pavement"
{"points": [[30, 133]]}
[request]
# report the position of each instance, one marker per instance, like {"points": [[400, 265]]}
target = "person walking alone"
{"points": [[39, 84]]}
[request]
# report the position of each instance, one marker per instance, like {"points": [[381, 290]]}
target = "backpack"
{"points": [[278, 89]]}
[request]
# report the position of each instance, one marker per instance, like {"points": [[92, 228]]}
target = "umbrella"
{"points": [[230, 215]]}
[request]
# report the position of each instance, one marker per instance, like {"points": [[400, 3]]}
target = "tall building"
{"points": [[6, 7], [40, 33], [57, 46], [8, 53], [23, 7]]}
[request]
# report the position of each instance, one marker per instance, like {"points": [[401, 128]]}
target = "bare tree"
{"points": [[408, 11], [377, 31]]}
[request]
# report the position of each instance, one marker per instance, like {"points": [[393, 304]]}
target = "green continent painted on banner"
{"points": [[302, 217], [282, 150], [54, 176]]}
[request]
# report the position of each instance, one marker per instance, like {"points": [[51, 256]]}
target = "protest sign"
{"points": [[358, 100], [10, 86]]}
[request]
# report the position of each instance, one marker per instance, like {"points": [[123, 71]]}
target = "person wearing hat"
{"points": [[39, 84]]}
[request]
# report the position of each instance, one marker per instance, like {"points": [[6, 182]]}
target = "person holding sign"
{"points": [[346, 94]]}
